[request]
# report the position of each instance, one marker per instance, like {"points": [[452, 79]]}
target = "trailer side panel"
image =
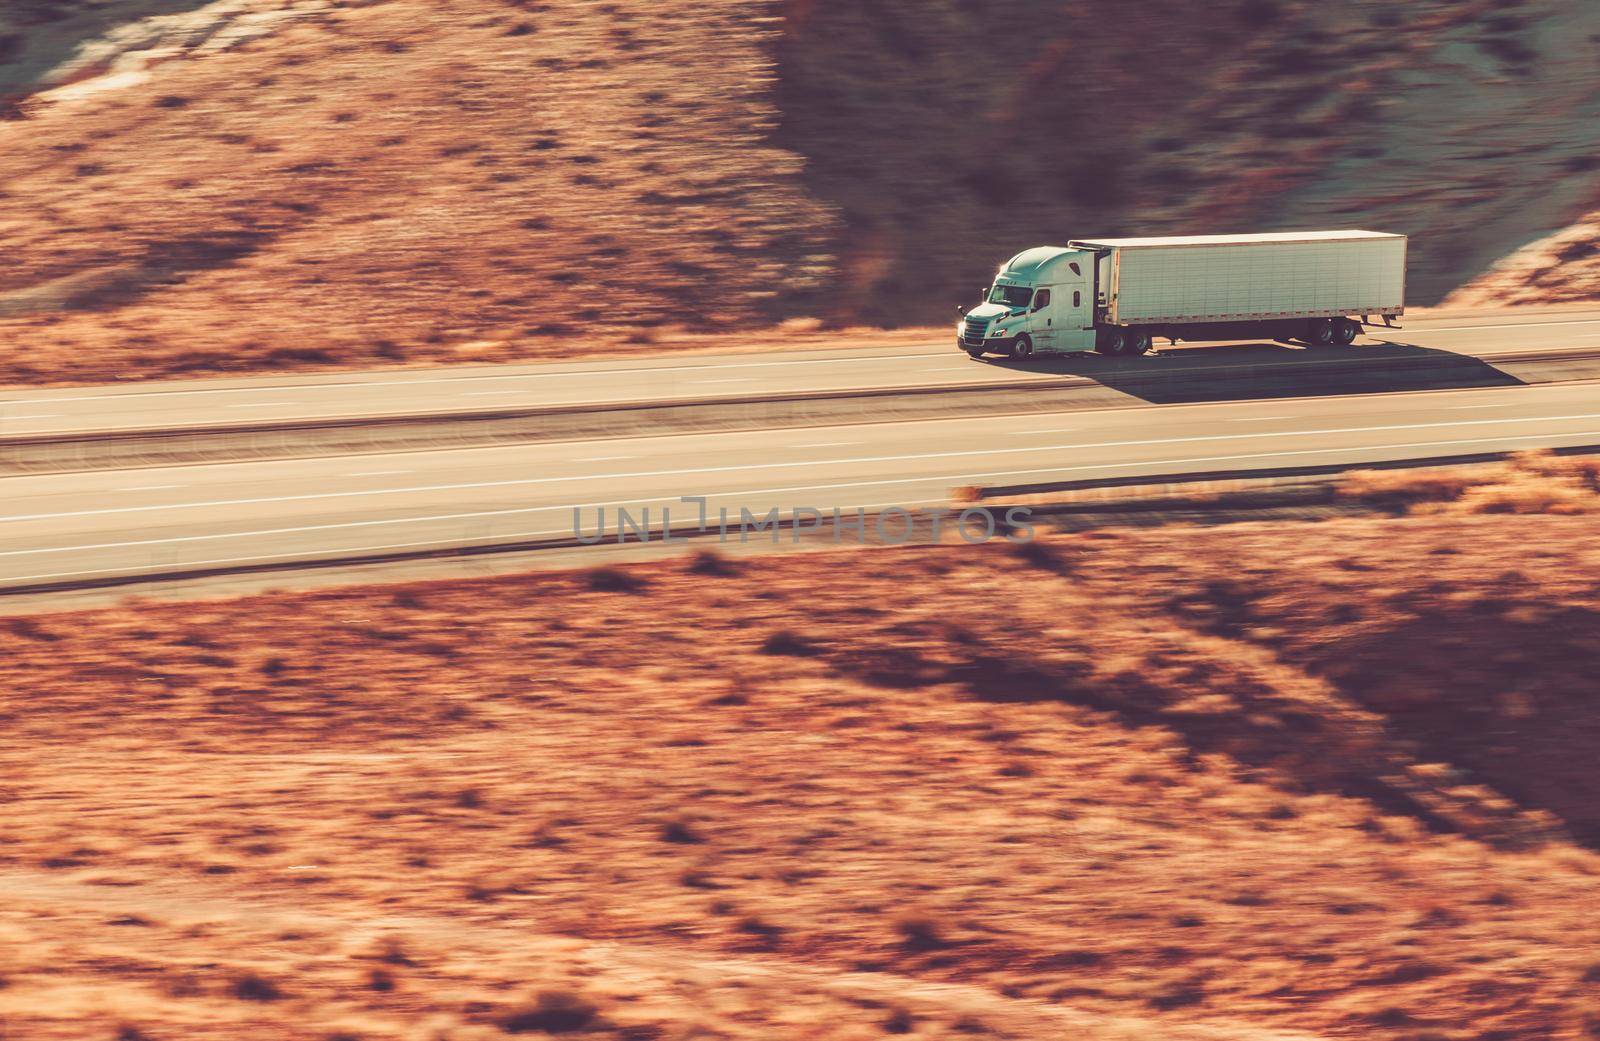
{"points": [[1260, 280]]}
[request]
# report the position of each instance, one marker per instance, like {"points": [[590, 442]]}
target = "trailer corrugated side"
{"points": [[1231, 278]]}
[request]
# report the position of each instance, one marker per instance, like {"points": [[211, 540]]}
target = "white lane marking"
{"points": [[1049, 430], [489, 393], [152, 488], [827, 444], [48, 415], [1462, 408], [1260, 419], [735, 379], [265, 404], [599, 458], [689, 471], [379, 473], [478, 514]]}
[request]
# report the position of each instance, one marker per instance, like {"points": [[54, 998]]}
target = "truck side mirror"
{"points": [[961, 309]]}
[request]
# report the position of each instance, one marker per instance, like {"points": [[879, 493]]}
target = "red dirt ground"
{"points": [[1333, 779]]}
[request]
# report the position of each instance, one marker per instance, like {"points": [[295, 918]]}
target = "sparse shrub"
{"points": [[788, 644], [920, 932], [613, 580], [710, 562], [1044, 557], [1178, 994], [682, 831], [392, 953], [171, 101], [553, 1012], [755, 925], [251, 987]]}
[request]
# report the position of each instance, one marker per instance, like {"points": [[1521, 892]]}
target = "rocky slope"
{"points": [[1563, 268], [258, 184]]}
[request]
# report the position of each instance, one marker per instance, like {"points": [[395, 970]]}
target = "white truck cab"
{"points": [[1042, 300]]}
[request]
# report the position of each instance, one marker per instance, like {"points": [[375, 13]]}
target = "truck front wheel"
{"points": [[1022, 349]]}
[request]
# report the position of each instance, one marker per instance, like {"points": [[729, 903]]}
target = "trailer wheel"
{"points": [[1110, 340], [1136, 342], [1320, 332], [1346, 330], [1022, 349]]}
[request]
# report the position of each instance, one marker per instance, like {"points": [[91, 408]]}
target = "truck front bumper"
{"points": [[988, 345]]}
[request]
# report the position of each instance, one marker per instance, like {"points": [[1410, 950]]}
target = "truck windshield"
{"points": [[1011, 296]]}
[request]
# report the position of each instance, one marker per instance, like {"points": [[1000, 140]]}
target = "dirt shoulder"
{"points": [[1331, 779]]}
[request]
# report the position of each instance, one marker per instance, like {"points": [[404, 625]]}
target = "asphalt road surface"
{"points": [[95, 526], [275, 399]]}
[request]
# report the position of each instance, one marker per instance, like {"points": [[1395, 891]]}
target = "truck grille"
{"points": [[975, 328]]}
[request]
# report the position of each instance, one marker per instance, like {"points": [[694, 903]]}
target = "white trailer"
{"points": [[1115, 295]]}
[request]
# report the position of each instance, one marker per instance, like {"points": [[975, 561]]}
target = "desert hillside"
{"points": [[1183, 785], [259, 184], [1563, 268]]}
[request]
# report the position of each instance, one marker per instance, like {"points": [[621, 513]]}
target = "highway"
{"points": [[99, 526], [594, 382]]}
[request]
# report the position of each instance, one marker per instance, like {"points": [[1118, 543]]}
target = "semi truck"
{"points": [[1116, 295]]}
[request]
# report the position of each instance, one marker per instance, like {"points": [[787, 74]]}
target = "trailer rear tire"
{"points": [[1022, 349], [1345, 331], [1136, 342], [1320, 332], [1110, 340]]}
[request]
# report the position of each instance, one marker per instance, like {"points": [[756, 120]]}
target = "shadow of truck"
{"points": [[1183, 375]]}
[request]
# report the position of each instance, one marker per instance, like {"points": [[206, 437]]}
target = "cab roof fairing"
{"points": [[1031, 264]]}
